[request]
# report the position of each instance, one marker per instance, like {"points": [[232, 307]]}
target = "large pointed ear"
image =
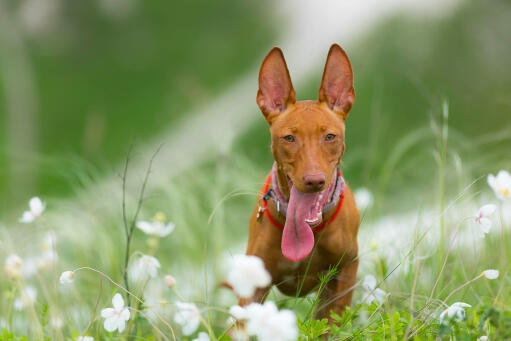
{"points": [[275, 88], [337, 83]]}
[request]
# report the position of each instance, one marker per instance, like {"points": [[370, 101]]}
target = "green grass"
{"points": [[210, 205]]}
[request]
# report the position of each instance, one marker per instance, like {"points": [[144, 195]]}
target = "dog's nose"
{"points": [[314, 182]]}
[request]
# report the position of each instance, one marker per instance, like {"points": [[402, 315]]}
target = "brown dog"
{"points": [[307, 143]]}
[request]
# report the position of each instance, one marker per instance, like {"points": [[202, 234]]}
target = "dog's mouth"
{"points": [[304, 212]]}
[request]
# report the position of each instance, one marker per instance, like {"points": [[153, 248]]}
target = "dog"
{"points": [[305, 221]]}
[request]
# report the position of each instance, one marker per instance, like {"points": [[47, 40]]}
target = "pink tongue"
{"points": [[297, 238]]}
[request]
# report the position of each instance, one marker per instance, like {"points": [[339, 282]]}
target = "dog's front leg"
{"points": [[338, 292]]}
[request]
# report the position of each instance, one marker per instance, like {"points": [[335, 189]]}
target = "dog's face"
{"points": [[307, 136]]}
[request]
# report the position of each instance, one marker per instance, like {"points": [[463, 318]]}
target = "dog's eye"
{"points": [[330, 137], [289, 138]]}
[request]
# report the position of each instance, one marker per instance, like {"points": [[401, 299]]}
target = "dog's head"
{"points": [[307, 140], [307, 136]]}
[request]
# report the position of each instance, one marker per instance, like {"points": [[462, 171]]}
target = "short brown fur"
{"points": [[312, 151]]}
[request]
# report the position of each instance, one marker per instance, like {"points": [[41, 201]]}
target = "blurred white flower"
{"points": [[482, 218], [47, 259], [67, 277], [84, 338], [246, 273], [202, 337], [483, 338], [455, 312], [238, 312], [144, 267], [491, 273], [363, 198], [13, 266], [49, 241], [170, 281], [156, 228], [30, 267], [371, 292], [155, 301], [36, 208], [116, 317], [188, 317], [27, 298], [501, 184], [266, 322], [56, 322]]}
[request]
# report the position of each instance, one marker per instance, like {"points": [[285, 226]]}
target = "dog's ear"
{"points": [[275, 88], [337, 83]]}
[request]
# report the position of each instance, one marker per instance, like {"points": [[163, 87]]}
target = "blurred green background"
{"points": [[80, 80]]}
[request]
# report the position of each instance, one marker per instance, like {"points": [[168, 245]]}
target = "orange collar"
{"points": [[280, 226]]}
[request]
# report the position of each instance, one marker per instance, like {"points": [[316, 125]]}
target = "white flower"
{"points": [[246, 273], [482, 218], [13, 266], [371, 292], [156, 304], [363, 198], [36, 208], [116, 317], [501, 184], [455, 312], [49, 241], [84, 338], [188, 317], [56, 322], [266, 322], [170, 281], [47, 259], [202, 337], [30, 267], [491, 273], [67, 277], [146, 266], [483, 338], [156, 228], [27, 298], [238, 312]]}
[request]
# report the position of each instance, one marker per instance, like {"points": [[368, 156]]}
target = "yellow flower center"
{"points": [[505, 192], [160, 216]]}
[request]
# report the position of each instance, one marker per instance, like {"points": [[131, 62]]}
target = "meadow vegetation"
{"points": [[422, 140]]}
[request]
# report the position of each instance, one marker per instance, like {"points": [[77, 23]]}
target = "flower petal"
{"points": [[125, 314], [27, 217], [111, 324], [145, 226], [369, 282], [461, 304], [118, 302], [491, 273], [168, 229], [36, 206], [121, 324], [485, 224], [487, 210], [107, 312]]}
